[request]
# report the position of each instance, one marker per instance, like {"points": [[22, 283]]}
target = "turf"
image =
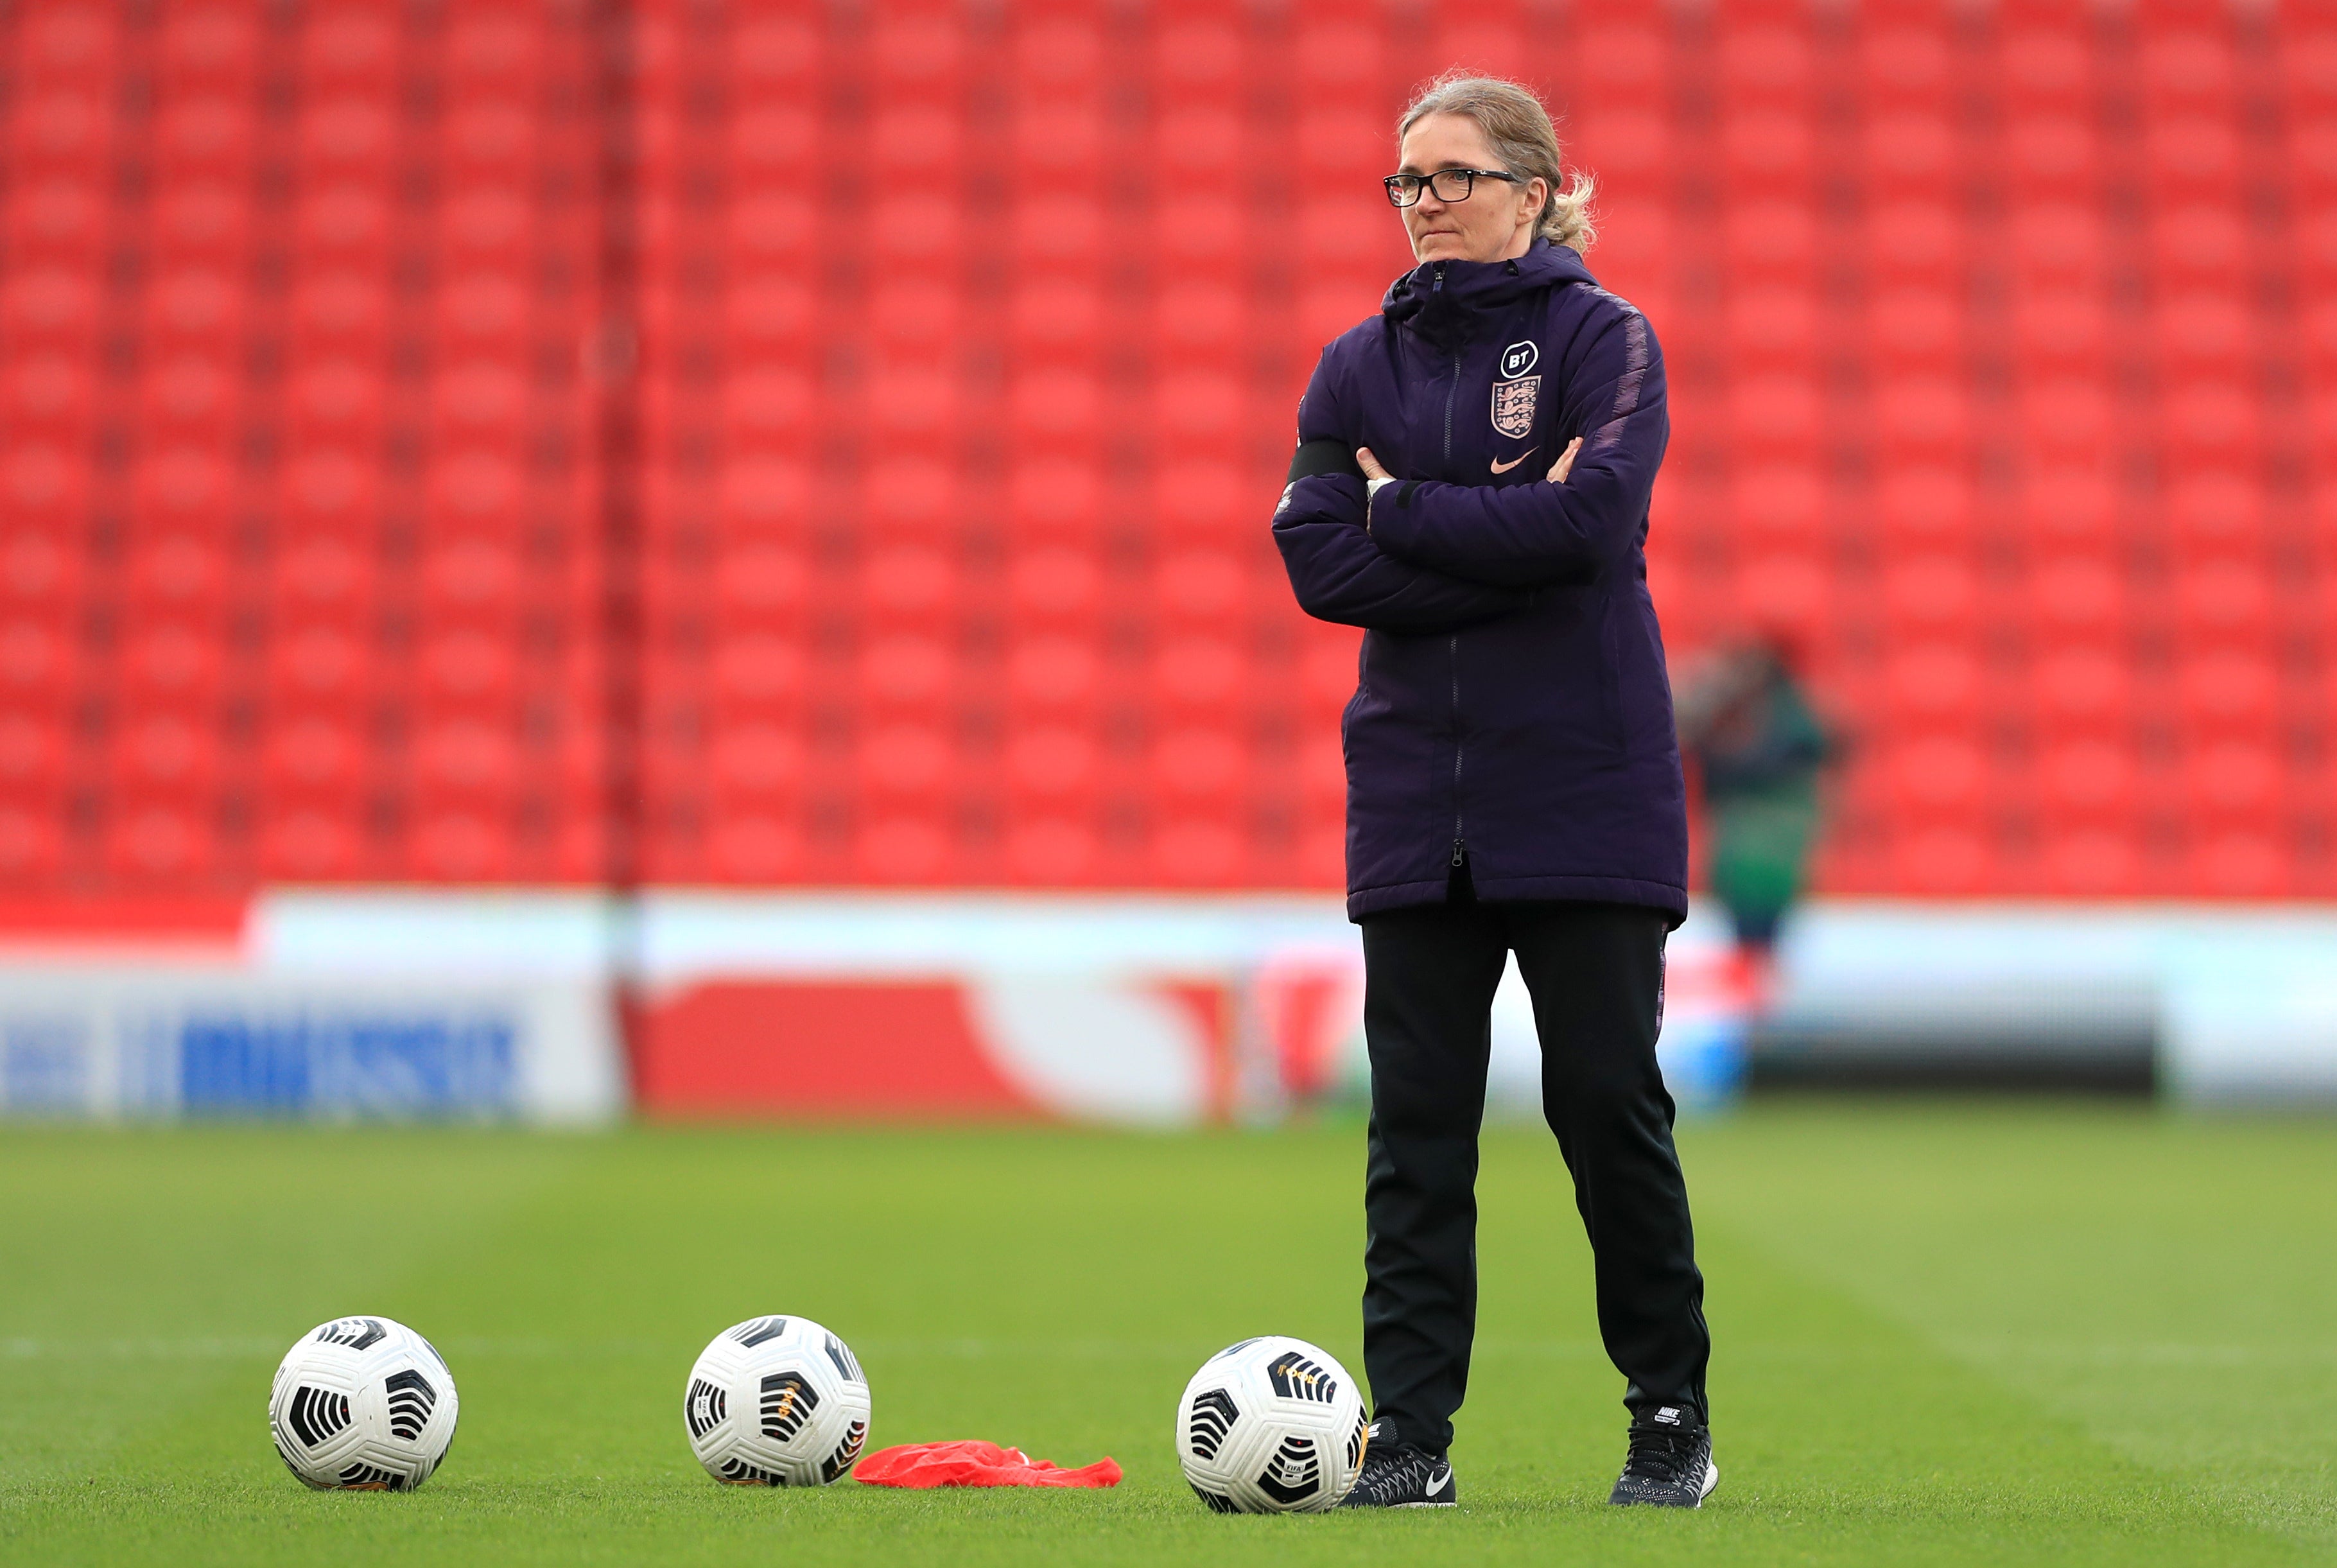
{"points": [[1945, 1334]]}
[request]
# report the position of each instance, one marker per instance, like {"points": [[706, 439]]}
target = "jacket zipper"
{"points": [[1460, 837]]}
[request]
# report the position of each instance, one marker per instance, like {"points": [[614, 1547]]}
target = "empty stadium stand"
{"points": [[802, 443]]}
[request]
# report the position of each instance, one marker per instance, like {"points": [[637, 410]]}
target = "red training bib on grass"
{"points": [[976, 1464]]}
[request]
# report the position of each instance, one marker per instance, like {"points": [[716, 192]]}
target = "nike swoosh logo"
{"points": [[1505, 468], [1441, 1481]]}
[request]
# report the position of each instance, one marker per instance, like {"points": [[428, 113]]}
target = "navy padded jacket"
{"points": [[1512, 705]]}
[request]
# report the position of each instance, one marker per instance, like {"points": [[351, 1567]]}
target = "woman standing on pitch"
{"points": [[1472, 487]]}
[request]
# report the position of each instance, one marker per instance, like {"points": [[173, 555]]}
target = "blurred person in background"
{"points": [[1471, 486], [1759, 747]]}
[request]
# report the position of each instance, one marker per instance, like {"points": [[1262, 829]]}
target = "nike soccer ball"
{"points": [[363, 1405], [1271, 1426], [776, 1402]]}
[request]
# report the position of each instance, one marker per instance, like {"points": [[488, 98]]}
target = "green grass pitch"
{"points": [[1946, 1334]]}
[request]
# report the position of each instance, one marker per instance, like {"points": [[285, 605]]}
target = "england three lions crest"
{"points": [[1516, 393]]}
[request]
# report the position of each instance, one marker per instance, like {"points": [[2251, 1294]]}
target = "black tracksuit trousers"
{"points": [[1596, 974]]}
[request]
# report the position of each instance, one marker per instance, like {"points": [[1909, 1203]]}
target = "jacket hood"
{"points": [[1442, 300]]}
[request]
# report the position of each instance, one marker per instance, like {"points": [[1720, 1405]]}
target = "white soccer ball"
{"points": [[776, 1402], [363, 1405], [1271, 1426]]}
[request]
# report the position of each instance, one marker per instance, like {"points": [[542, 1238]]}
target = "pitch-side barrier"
{"points": [[1140, 1010]]}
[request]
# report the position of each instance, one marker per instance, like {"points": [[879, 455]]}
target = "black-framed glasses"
{"points": [[1450, 184]]}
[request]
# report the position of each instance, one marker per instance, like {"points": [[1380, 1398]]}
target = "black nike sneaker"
{"points": [[1670, 1465], [1400, 1474]]}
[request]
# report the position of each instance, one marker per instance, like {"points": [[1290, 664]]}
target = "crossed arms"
{"points": [[1420, 556]]}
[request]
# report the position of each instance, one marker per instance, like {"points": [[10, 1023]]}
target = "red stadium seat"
{"points": [[482, 306], [1939, 859], [32, 845], [1764, 60], [179, 660], [161, 843], [758, 669], [1203, 586], [168, 755], [331, 398], [195, 398], [34, 750], [1053, 672], [2192, 150], [1199, 764], [200, 305], [210, 132], [2223, 599], [186, 487], [59, 220], [45, 486], [1940, 590], [48, 305], [2060, 331], [1050, 848], [489, 135], [1208, 232], [2246, 861], [47, 396], [1053, 763], [2228, 691], [2233, 781], [1935, 684], [474, 577], [321, 666], [2051, 152], [908, 583], [175, 575], [2081, 688], [456, 845], [907, 671], [315, 756], [755, 582], [758, 761], [2088, 778], [466, 668], [1906, 59], [2046, 57], [1916, 326], [1198, 851], [41, 576], [2213, 511], [488, 223], [1769, 145], [905, 848], [907, 762], [481, 399], [2093, 859], [304, 844], [66, 43], [1926, 413], [1204, 674], [61, 128], [1778, 504], [351, 132], [2078, 596], [913, 493], [343, 308], [465, 758], [1913, 147], [755, 847], [1055, 584], [1060, 140], [343, 223]]}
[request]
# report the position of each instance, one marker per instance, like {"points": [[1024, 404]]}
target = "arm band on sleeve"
{"points": [[1323, 456]]}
